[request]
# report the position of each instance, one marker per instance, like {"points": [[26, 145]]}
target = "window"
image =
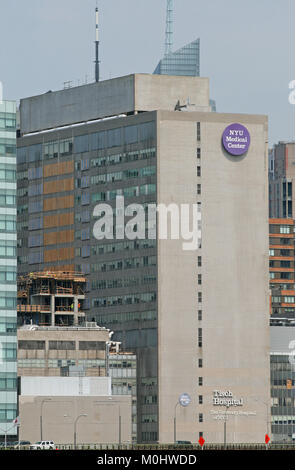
{"points": [[200, 417], [199, 279], [200, 363], [200, 399], [284, 228], [199, 189], [198, 171], [200, 334], [200, 381], [31, 345], [200, 297], [198, 152], [198, 131], [62, 345], [199, 261], [200, 315]]}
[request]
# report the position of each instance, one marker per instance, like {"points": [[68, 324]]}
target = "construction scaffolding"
{"points": [[51, 298]]}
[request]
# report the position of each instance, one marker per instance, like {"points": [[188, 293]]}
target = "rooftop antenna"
{"points": [[169, 28], [96, 45]]}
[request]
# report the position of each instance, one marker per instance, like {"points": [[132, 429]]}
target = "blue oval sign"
{"points": [[236, 139]]}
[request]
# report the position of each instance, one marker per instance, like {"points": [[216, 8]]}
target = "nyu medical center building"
{"points": [[197, 320]]}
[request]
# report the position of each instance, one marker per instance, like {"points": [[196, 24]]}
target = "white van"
{"points": [[43, 445]]}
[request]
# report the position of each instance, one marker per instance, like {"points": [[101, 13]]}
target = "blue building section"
{"points": [[184, 61]]}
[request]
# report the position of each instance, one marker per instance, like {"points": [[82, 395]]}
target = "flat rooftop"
{"points": [[126, 95]]}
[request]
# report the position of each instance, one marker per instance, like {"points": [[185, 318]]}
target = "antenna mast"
{"points": [[96, 46], [169, 28]]}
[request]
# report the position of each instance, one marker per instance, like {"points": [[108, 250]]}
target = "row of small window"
{"points": [[289, 242], [123, 373], [281, 275], [99, 284], [8, 147], [286, 300], [117, 176], [114, 137], [124, 157], [111, 318], [124, 300], [128, 263], [7, 122], [279, 252], [133, 191], [7, 223], [8, 412], [55, 363], [8, 352], [7, 248], [122, 246], [7, 172], [149, 436], [8, 301], [282, 420], [7, 325], [282, 229], [8, 381], [8, 198], [282, 264], [7, 274], [33, 153], [283, 401], [123, 389], [62, 345]]}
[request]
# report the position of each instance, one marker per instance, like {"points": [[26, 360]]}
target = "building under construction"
{"points": [[51, 298]]}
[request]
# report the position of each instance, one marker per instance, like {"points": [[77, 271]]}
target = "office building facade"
{"points": [[8, 345], [282, 384], [281, 181], [282, 269], [186, 314]]}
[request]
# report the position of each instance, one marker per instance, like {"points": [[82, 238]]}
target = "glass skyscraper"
{"points": [[184, 61], [8, 342]]}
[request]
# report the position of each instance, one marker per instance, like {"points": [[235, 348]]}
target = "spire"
{"points": [[169, 28]]}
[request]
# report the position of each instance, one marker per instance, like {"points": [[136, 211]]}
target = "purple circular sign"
{"points": [[236, 139]]}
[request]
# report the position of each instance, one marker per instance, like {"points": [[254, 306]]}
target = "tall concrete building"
{"points": [[8, 345], [197, 320]]}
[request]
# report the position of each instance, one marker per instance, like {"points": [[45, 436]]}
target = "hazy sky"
{"points": [[247, 48]]}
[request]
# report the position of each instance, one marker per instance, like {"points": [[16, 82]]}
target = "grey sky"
{"points": [[246, 48]]}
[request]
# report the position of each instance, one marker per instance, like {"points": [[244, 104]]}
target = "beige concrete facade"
{"points": [[234, 283], [108, 419], [41, 351]]}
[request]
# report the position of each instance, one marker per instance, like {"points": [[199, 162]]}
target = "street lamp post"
{"points": [[184, 400], [75, 429], [224, 428], [175, 421], [41, 417]]}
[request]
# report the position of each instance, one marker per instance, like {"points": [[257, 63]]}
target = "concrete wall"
{"points": [[101, 425], [63, 386], [110, 98], [234, 288]]}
